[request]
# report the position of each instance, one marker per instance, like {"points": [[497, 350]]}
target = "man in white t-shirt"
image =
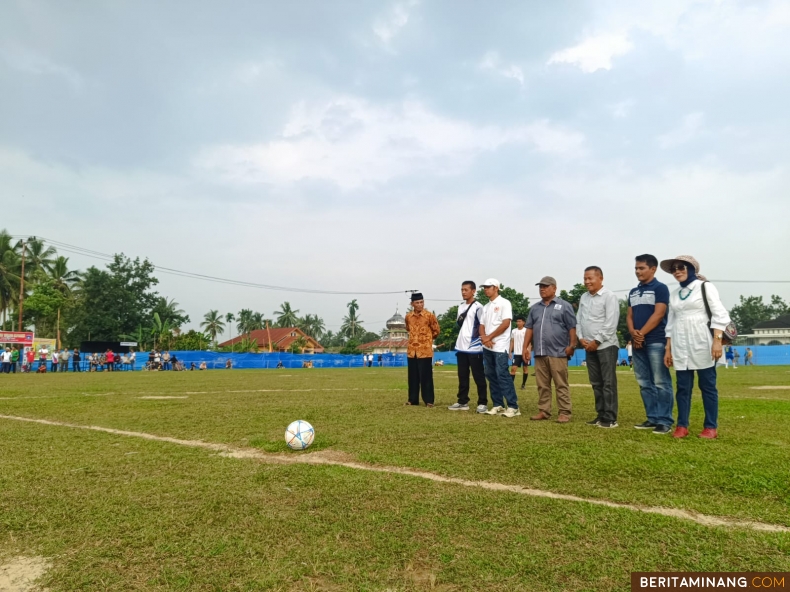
{"points": [[495, 336], [43, 356], [6, 359], [469, 350], [516, 350]]}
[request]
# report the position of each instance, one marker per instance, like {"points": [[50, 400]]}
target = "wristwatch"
{"points": [[718, 336]]}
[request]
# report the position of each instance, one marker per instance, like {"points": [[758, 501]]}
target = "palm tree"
{"points": [[299, 345], [257, 322], [213, 324], [9, 273], [312, 325], [352, 326], [353, 307], [318, 327], [229, 318], [161, 329], [286, 316], [63, 279], [244, 318], [39, 256], [169, 309]]}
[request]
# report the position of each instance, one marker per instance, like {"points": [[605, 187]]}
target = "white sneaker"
{"points": [[458, 407], [495, 410], [511, 412], [482, 409]]}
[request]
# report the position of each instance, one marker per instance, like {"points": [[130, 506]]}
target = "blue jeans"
{"points": [[655, 383], [499, 381], [710, 396]]}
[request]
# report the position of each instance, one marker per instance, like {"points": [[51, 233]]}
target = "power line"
{"points": [[85, 252], [76, 250]]}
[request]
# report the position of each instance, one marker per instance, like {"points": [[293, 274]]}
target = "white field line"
{"points": [[770, 388], [317, 458]]}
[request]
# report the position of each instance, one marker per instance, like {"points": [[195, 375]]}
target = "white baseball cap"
{"points": [[490, 282]]}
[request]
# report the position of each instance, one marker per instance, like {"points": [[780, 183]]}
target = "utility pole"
{"points": [[269, 336], [22, 286]]}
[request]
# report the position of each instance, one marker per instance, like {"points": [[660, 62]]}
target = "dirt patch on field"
{"points": [[19, 574], [327, 456], [425, 578]]}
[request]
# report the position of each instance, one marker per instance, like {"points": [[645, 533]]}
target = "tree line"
{"points": [[120, 302]]}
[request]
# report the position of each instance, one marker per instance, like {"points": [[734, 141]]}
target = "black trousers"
{"points": [[602, 370], [420, 379], [475, 362]]}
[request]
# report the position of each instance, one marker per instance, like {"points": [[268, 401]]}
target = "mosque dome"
{"points": [[396, 322]]}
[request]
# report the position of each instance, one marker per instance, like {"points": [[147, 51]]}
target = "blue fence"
{"points": [[215, 360], [764, 355]]}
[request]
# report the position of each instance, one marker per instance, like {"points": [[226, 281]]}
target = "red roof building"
{"points": [[281, 340]]}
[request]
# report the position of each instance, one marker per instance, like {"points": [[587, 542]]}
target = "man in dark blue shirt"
{"points": [[647, 320]]}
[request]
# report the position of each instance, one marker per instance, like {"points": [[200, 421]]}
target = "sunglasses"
{"points": [[677, 267]]}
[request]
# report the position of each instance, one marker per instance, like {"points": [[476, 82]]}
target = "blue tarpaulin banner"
{"points": [[764, 355]]}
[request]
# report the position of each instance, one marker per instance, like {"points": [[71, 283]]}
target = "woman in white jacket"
{"points": [[694, 341]]}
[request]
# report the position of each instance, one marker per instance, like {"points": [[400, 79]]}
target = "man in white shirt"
{"points": [[6, 358], [469, 350], [495, 337], [517, 350], [43, 356], [596, 328]]}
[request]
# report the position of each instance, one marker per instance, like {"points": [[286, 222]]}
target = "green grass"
{"points": [[119, 513]]}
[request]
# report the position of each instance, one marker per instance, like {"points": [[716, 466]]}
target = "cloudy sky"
{"points": [[379, 147]]}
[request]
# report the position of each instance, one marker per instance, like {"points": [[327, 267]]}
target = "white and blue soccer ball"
{"points": [[299, 435]]}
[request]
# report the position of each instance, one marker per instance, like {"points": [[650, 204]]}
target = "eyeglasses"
{"points": [[677, 267]]}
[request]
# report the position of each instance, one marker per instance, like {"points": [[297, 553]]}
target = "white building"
{"points": [[773, 332]]}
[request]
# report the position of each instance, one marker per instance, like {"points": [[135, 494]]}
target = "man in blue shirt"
{"points": [[647, 320]]}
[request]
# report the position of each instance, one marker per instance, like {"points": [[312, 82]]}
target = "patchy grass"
{"points": [[116, 513]]}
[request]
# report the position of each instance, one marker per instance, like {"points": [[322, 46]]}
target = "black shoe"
{"points": [[595, 421], [607, 424], [662, 429], [645, 426]]}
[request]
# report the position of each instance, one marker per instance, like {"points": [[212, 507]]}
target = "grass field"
{"points": [[118, 512]]}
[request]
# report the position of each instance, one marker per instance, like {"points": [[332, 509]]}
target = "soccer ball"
{"points": [[299, 435]]}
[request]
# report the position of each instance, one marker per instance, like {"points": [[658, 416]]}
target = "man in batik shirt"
{"points": [[423, 328]]}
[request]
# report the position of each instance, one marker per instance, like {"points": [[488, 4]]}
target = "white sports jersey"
{"points": [[469, 336], [518, 340]]}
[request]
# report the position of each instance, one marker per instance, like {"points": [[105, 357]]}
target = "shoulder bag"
{"points": [[461, 319], [730, 331]]}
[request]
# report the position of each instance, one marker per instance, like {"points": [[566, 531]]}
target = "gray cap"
{"points": [[547, 280]]}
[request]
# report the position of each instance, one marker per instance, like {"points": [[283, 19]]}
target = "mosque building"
{"points": [[395, 339]]}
